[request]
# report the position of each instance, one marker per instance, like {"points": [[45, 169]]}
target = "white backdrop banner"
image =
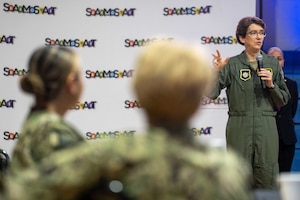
{"points": [[108, 35]]}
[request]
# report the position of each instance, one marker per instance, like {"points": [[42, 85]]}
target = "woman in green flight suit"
{"points": [[251, 127]]}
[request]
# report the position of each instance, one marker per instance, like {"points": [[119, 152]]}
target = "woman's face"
{"points": [[254, 38], [78, 81], [278, 55]]}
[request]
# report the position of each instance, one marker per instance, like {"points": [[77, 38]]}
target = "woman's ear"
{"points": [[242, 39]]}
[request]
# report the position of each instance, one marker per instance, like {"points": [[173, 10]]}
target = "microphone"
{"points": [[260, 65]]}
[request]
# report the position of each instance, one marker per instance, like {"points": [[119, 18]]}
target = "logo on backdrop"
{"points": [[10, 136], [7, 39], [218, 40], [108, 74], [7, 103], [108, 135], [217, 101], [14, 71], [110, 12], [132, 104], [71, 42], [85, 105], [187, 10], [201, 131], [142, 42], [29, 9]]}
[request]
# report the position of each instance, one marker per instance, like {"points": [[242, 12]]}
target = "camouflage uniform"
{"points": [[4, 160], [150, 166], [42, 133]]}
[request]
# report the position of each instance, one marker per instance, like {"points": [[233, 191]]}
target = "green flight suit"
{"points": [[251, 126]]}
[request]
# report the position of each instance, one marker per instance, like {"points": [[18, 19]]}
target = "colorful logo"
{"points": [[132, 104], [14, 71], [71, 42], [85, 105], [219, 40], [38, 10], [7, 103], [109, 135], [110, 12], [201, 131], [108, 74], [187, 10], [10, 136], [142, 42], [7, 39], [217, 101]]}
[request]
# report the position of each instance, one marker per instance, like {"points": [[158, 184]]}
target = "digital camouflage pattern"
{"points": [[144, 167], [42, 133]]}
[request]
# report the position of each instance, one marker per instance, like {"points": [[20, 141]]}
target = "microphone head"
{"points": [[259, 57]]}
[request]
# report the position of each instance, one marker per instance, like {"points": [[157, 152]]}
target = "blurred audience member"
{"points": [[55, 81], [284, 118], [4, 160], [166, 162]]}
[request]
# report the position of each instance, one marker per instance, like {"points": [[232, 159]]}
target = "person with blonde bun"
{"points": [[55, 82]]}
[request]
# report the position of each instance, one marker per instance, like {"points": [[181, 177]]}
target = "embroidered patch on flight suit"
{"points": [[245, 74], [270, 70]]}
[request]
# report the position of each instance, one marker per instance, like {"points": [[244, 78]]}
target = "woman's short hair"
{"points": [[244, 23], [170, 80]]}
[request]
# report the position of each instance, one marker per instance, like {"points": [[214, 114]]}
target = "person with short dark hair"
{"points": [[252, 94]]}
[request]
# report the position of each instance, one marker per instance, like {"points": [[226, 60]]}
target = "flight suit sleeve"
{"points": [[280, 93], [222, 80]]}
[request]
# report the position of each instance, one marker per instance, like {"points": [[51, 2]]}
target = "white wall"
{"points": [[108, 113]]}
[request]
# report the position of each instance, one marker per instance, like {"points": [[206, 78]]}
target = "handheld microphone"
{"points": [[260, 65]]}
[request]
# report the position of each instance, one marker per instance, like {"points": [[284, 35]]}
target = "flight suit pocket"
{"points": [[269, 113]]}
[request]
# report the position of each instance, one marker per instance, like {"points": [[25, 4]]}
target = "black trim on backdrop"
{"points": [[260, 14], [259, 8]]}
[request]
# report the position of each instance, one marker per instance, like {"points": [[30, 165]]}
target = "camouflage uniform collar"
{"points": [[182, 134], [45, 114]]}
